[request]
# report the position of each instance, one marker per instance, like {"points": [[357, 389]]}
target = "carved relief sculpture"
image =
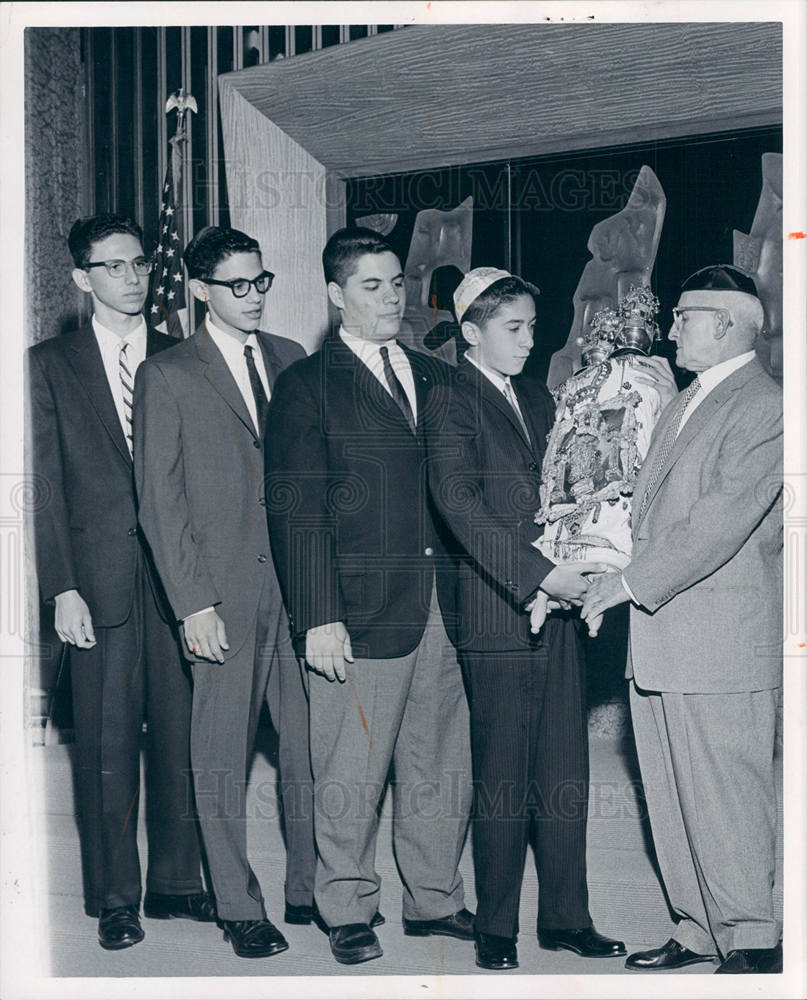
{"points": [[623, 250], [440, 241], [759, 253]]}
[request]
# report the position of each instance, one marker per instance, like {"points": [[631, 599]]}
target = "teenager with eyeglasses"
{"points": [[200, 413], [94, 567]]}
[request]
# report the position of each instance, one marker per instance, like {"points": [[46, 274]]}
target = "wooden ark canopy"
{"points": [[438, 95]]}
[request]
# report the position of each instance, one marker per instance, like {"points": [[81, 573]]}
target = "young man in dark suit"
{"points": [[200, 423], [487, 434], [93, 565], [354, 541]]}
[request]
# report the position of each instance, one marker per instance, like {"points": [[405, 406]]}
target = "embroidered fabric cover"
{"points": [[603, 425]]}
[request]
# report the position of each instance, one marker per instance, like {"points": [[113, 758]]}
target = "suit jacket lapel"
{"points": [[702, 416], [270, 359], [220, 377], [84, 356], [365, 387], [495, 397], [538, 434], [423, 375]]}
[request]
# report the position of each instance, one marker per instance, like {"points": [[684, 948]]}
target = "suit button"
{"points": [[533, 466], [256, 444], [261, 558], [131, 532], [428, 551]]}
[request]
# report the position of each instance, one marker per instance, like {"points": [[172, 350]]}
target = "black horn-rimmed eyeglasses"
{"points": [[240, 286]]}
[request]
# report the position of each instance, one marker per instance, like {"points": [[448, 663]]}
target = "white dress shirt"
{"points": [[709, 379], [233, 351], [499, 381], [369, 352], [110, 343]]}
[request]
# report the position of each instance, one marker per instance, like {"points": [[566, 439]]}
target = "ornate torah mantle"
{"points": [[602, 431]]}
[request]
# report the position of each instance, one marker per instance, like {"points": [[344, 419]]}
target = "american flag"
{"points": [[167, 311]]}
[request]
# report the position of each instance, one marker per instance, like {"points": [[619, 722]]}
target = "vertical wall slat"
{"points": [[162, 96], [113, 124], [89, 49], [238, 48], [212, 130], [138, 126]]}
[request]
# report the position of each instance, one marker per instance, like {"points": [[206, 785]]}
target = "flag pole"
{"points": [[183, 103], [169, 291]]}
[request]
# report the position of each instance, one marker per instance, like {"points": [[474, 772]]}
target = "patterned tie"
{"points": [[509, 395], [127, 386], [261, 402], [669, 439], [397, 390]]}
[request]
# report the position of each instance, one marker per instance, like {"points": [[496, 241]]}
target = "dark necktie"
{"points": [[261, 402], [669, 439], [510, 396], [397, 390]]}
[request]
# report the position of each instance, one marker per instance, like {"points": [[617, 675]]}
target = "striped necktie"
{"points": [[127, 386], [509, 395], [669, 439]]}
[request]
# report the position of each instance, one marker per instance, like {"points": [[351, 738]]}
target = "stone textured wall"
{"points": [[56, 158], [56, 162]]}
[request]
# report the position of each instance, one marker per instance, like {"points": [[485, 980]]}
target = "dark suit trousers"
{"points": [[133, 672], [529, 744]]}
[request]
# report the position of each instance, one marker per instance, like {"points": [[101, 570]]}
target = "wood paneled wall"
{"points": [[130, 74]]}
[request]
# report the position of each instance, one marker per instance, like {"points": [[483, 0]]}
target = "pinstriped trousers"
{"points": [[529, 744]]}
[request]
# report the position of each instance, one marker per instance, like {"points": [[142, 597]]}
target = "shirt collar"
{"points": [[714, 376], [229, 344], [500, 381], [364, 347], [109, 339]]}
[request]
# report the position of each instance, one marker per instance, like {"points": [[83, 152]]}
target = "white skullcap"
{"points": [[473, 284]]}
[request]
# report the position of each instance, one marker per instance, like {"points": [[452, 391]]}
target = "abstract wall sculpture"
{"points": [[383, 222], [440, 241], [759, 253], [623, 251]]}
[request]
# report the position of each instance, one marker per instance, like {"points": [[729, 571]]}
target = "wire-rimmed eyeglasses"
{"points": [[678, 313], [117, 268]]}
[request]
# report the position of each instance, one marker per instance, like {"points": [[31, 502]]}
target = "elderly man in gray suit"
{"points": [[705, 582]]}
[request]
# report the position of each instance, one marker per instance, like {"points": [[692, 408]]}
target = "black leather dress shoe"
{"points": [[197, 906], [458, 925], [354, 943], [671, 955], [254, 938], [583, 941], [759, 961], [119, 927], [495, 952], [308, 914]]}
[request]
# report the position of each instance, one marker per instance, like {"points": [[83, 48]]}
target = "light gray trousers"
{"points": [[708, 775], [410, 712]]}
